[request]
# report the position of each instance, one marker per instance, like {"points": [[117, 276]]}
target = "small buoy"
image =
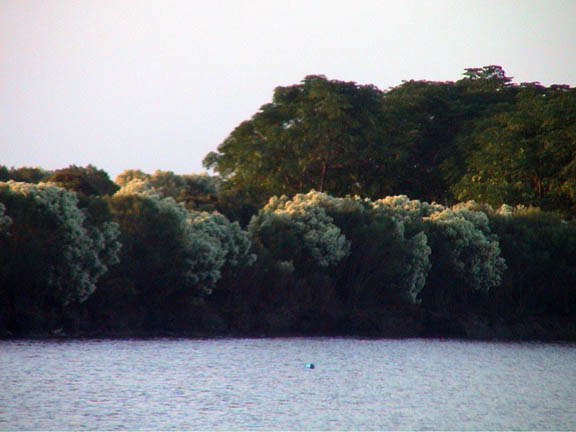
{"points": [[310, 365]]}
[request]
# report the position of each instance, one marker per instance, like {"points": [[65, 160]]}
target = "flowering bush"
{"points": [[403, 208], [305, 223], [473, 253], [188, 248], [49, 227], [460, 237], [377, 260], [191, 189]]}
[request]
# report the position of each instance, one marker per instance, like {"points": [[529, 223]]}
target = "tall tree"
{"points": [[526, 155], [320, 134]]}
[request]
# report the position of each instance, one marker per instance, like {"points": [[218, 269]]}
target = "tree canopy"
{"points": [[321, 134], [320, 179], [49, 247], [482, 137]]}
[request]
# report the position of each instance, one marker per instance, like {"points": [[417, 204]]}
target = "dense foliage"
{"points": [[324, 219], [50, 255], [322, 133], [483, 138]]}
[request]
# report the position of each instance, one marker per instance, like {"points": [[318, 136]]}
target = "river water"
{"points": [[251, 384]]}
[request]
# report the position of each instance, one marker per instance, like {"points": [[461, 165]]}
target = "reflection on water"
{"points": [[265, 384]]}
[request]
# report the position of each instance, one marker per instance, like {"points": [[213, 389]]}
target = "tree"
{"points": [[422, 119], [50, 253], [171, 254], [195, 191], [320, 134], [387, 264], [540, 250], [525, 155], [343, 138], [372, 259], [298, 230], [87, 180], [473, 254], [487, 78], [24, 174], [465, 256]]}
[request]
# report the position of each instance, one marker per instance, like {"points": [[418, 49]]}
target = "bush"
{"points": [[50, 253], [540, 249], [299, 230], [172, 254], [465, 257]]}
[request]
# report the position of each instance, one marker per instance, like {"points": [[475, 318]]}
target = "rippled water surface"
{"points": [[265, 384]]}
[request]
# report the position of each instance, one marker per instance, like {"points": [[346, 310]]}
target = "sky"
{"points": [[158, 84]]}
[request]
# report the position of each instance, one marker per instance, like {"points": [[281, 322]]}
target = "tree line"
{"points": [[483, 138], [324, 219]]}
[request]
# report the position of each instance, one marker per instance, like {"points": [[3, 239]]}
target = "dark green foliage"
{"points": [[29, 250], [151, 258], [525, 155], [24, 174], [482, 137], [540, 249], [319, 134], [153, 245], [85, 180], [428, 124], [51, 256], [236, 205], [374, 273]]}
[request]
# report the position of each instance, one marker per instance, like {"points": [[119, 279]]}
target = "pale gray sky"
{"points": [[157, 84]]}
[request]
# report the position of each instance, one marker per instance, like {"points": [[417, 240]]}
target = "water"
{"points": [[241, 384]]}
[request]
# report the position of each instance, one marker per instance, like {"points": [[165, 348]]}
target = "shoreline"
{"points": [[528, 330]]}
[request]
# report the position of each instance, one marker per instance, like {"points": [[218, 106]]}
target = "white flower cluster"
{"points": [[337, 205], [305, 216], [84, 252], [128, 175]]}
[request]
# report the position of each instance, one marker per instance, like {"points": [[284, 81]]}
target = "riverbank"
{"points": [[393, 323]]}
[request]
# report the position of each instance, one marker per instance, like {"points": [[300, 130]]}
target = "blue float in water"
{"points": [[310, 365]]}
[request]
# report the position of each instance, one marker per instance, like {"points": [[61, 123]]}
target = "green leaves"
{"points": [[482, 137], [310, 137], [525, 155], [85, 180], [299, 225], [50, 245], [168, 248]]}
